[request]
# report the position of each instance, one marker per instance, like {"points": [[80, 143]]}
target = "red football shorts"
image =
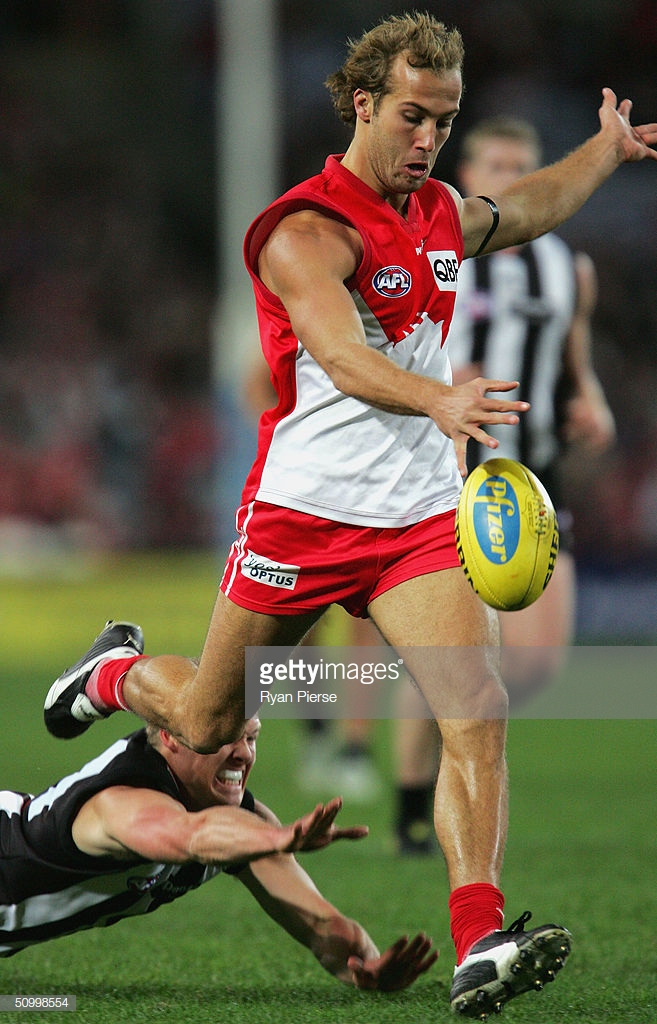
{"points": [[286, 562]]}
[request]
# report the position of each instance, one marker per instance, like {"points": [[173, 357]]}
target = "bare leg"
{"points": [[417, 740], [417, 757], [533, 650], [534, 640], [203, 704], [457, 669]]}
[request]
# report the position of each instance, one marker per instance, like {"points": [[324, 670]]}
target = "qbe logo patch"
{"points": [[445, 267], [265, 570]]}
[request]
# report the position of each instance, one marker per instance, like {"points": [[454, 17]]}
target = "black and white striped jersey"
{"points": [[48, 887], [512, 316]]}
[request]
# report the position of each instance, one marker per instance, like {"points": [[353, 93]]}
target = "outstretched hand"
{"points": [[396, 968], [467, 406], [316, 830], [634, 142]]}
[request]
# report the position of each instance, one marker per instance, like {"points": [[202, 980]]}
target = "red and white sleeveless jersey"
{"points": [[320, 451]]}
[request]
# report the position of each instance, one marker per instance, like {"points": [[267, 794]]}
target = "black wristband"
{"points": [[493, 228]]}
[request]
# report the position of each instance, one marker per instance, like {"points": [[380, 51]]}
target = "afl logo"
{"points": [[392, 282]]}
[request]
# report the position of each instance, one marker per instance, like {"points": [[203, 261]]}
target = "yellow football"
{"points": [[507, 534]]}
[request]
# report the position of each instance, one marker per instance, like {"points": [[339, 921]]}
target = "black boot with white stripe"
{"points": [[68, 712], [505, 964]]}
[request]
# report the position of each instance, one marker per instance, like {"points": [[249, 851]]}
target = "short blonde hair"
{"points": [[512, 129], [153, 735], [425, 41]]}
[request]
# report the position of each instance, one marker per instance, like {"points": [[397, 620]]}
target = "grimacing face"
{"points": [[218, 778]]}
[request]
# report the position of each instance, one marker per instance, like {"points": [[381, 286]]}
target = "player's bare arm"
{"points": [[305, 263], [123, 822], [341, 945], [588, 416], [399, 966], [543, 200]]}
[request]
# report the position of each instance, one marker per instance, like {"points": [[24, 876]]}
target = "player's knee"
{"points": [[207, 734], [479, 731], [494, 698], [486, 702], [480, 697], [530, 669]]}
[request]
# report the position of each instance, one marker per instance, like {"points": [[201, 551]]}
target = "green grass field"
{"points": [[582, 847]]}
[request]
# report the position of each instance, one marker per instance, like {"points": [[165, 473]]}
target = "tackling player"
{"points": [[150, 820]]}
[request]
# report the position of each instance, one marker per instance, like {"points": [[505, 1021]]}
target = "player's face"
{"points": [[409, 128], [219, 778], [496, 164]]}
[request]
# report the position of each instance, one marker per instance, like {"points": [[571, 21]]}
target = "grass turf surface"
{"points": [[581, 850]]}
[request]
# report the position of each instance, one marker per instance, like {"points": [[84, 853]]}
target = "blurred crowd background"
{"points": [[111, 433]]}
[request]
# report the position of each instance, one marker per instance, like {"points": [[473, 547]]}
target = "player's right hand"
{"points": [[316, 830]]}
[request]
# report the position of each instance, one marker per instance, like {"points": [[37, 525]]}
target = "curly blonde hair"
{"points": [[425, 41]]}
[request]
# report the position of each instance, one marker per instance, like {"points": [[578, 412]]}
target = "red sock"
{"points": [[475, 910], [105, 684]]}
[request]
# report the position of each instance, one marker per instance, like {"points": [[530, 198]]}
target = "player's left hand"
{"points": [[397, 967], [316, 830], [634, 141]]}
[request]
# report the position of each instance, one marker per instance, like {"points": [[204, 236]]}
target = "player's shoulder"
{"points": [[257, 807], [443, 187], [308, 238], [311, 221], [435, 191], [138, 763]]}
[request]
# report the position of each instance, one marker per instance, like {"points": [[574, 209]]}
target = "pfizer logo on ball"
{"points": [[496, 519]]}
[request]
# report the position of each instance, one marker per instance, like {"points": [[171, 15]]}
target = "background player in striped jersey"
{"points": [[148, 821]]}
